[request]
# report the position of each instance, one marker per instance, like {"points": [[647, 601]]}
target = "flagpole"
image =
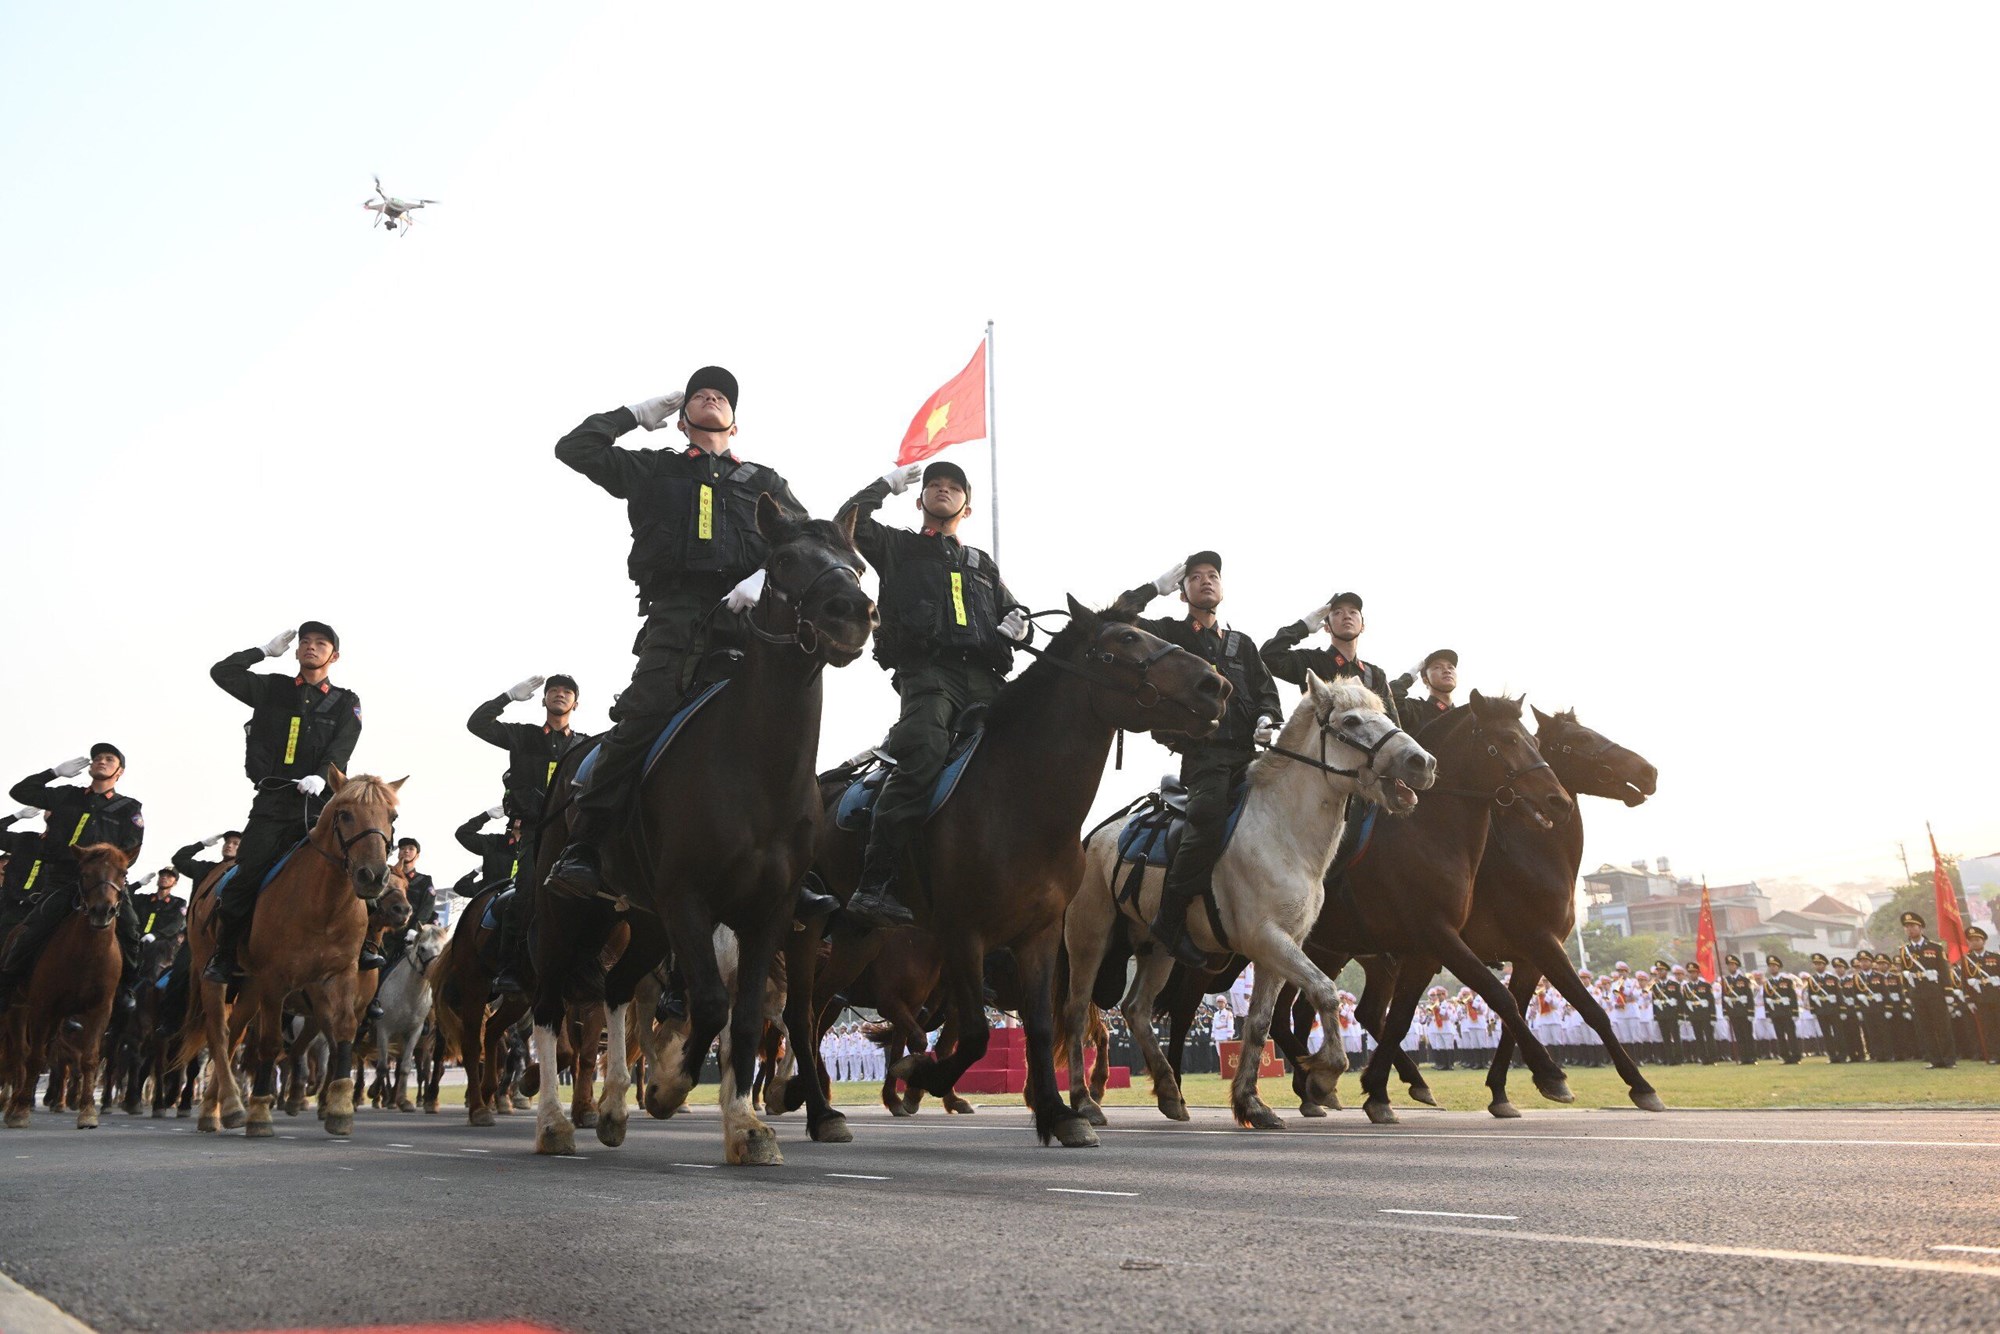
{"points": [[992, 447]]}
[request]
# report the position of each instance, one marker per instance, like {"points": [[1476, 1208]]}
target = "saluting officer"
{"points": [[533, 751], [693, 513], [1669, 993], [1980, 970], [1737, 1001], [1212, 767], [1927, 969], [1343, 622], [418, 886], [1700, 993], [499, 854], [1781, 1002], [948, 626], [161, 913], [77, 817], [301, 725], [17, 855], [190, 863], [1823, 988]]}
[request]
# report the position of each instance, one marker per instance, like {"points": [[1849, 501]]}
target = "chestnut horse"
{"points": [[75, 978], [307, 937], [467, 1029], [996, 866]]}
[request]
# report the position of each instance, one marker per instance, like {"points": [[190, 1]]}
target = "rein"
{"points": [[805, 635], [1504, 795], [346, 862], [1146, 696]]}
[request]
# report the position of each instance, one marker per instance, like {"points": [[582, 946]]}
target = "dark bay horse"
{"points": [[722, 836], [996, 867], [306, 937], [468, 1028], [75, 977]]}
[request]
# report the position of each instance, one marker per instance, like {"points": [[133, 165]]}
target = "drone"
{"points": [[392, 212]]}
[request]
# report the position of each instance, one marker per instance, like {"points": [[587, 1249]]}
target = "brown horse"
{"points": [[468, 1031], [307, 938], [75, 978], [996, 866], [722, 836]]}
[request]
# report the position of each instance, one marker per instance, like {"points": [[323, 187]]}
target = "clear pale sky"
{"points": [[1646, 357]]}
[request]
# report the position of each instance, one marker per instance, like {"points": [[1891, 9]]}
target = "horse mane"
{"points": [[360, 788]]}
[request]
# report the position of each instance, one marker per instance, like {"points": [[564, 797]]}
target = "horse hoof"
{"points": [[958, 1106], [1094, 1114], [1381, 1113], [1073, 1132], [519, 1103], [234, 1118], [559, 1138], [1333, 1104], [585, 1120], [210, 1124], [159, 1113], [611, 1131], [1258, 1117], [1422, 1093], [757, 1147], [86, 1120], [1506, 1111], [406, 1106], [1311, 1109], [897, 1109], [1173, 1109], [430, 1109], [1648, 1101], [340, 1123], [180, 1112], [481, 1116], [258, 1130], [833, 1130], [1556, 1090], [17, 1120], [504, 1107]]}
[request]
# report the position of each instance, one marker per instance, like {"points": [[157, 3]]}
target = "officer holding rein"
{"points": [[947, 623]]}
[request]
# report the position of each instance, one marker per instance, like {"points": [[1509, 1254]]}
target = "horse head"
{"points": [[360, 823], [100, 870], [391, 908], [1354, 734], [1138, 681], [1592, 764], [814, 573], [429, 944], [1485, 748]]}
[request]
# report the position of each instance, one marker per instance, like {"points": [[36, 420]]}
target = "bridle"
{"points": [[1146, 695], [1504, 795], [346, 860], [100, 882], [1590, 756], [805, 636], [1329, 733]]}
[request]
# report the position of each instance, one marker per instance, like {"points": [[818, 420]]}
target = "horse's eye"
{"points": [[346, 817], [1129, 637]]}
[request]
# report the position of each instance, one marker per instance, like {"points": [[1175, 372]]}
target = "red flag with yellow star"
{"points": [[1950, 926], [1704, 940], [954, 414]]}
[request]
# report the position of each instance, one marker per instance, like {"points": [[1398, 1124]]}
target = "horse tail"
{"points": [[444, 1004], [193, 1035]]}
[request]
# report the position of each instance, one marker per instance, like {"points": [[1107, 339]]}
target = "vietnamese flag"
{"points": [[954, 414], [1704, 940], [1951, 926]]}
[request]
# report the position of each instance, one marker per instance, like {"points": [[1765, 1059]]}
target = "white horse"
{"points": [[1268, 890], [405, 995]]}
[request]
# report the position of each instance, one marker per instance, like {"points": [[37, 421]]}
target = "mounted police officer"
{"points": [[1343, 622], [499, 854], [76, 818], [1439, 673], [17, 856], [301, 725], [948, 623], [1927, 971], [533, 751], [695, 543], [419, 888], [190, 863], [160, 914], [1212, 767]]}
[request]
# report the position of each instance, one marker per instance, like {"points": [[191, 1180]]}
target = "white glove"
{"points": [[744, 596], [522, 690], [1014, 625], [495, 812], [902, 479], [410, 935], [280, 644], [653, 413], [1267, 731], [312, 785], [146, 939], [71, 768], [148, 878], [1171, 580], [1316, 618], [213, 839], [26, 813]]}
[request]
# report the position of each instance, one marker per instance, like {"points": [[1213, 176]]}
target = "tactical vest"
{"points": [[938, 602], [281, 742], [687, 524], [1240, 718]]}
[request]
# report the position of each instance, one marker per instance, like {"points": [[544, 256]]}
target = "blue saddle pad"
{"points": [[269, 875], [1354, 841], [661, 742], [1154, 835], [856, 807], [490, 919]]}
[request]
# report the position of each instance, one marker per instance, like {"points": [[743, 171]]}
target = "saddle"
{"points": [[496, 907], [1152, 837], [867, 772], [689, 707], [269, 875]]}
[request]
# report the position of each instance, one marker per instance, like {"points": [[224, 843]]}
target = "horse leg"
{"points": [[1372, 1013], [1155, 967], [27, 1049], [267, 1044], [1100, 1066], [1250, 1110], [1553, 959], [1087, 928], [553, 1131], [1291, 1019], [1409, 989], [1455, 954], [222, 1105], [478, 1054], [1522, 987], [1035, 959], [612, 1108], [586, 1031], [746, 1139], [335, 1001]]}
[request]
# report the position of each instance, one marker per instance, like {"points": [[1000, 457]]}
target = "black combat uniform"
{"points": [[1781, 1002], [1212, 767], [297, 730], [941, 603], [1898, 1012], [160, 915], [1669, 1007], [1927, 969], [499, 854], [533, 752], [694, 537], [23, 848], [1980, 971], [194, 868], [1700, 993], [1878, 1018], [77, 817], [1737, 1001]]}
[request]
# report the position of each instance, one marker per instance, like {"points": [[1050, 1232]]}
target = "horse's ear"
{"points": [[1477, 698], [1315, 688], [845, 521], [770, 519], [1081, 614], [1541, 719], [397, 786], [335, 779]]}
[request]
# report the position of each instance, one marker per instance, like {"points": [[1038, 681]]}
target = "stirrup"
{"points": [[878, 908]]}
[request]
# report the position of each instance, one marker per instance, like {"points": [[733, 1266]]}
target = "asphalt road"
{"points": [[1847, 1219]]}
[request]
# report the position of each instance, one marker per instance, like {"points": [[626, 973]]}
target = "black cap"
{"points": [[166, 871], [713, 377], [1905, 919], [1205, 558], [1354, 600], [320, 628], [407, 842], [228, 834], [1449, 655], [106, 748], [950, 471], [563, 679]]}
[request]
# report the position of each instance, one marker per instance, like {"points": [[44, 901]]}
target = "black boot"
{"points": [[371, 958], [511, 980], [374, 1010], [222, 966], [577, 870], [873, 904], [1170, 927], [673, 1002], [810, 904]]}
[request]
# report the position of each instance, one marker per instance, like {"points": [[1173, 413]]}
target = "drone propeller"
{"points": [[378, 188]]}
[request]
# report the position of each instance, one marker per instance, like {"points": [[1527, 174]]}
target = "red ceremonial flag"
{"points": [[953, 414], [1704, 939], [1951, 926]]}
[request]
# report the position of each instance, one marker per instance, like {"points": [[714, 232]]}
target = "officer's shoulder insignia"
{"points": [[139, 819]]}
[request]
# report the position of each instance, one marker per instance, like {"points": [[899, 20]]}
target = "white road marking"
{"points": [[402, 1146], [434, 1178], [1387, 1135], [1077, 1190], [572, 1157], [855, 1176], [699, 1167], [1970, 1250], [343, 1169], [475, 1150], [1445, 1213]]}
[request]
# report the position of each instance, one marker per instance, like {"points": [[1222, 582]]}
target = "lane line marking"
{"points": [[699, 1167], [572, 1157], [855, 1176], [1446, 1213], [402, 1146], [1388, 1134], [1970, 1250], [475, 1150], [1700, 1248], [1078, 1190]]}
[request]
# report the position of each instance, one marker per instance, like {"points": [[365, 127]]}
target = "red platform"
{"points": [[1230, 1052], [1004, 1067]]}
